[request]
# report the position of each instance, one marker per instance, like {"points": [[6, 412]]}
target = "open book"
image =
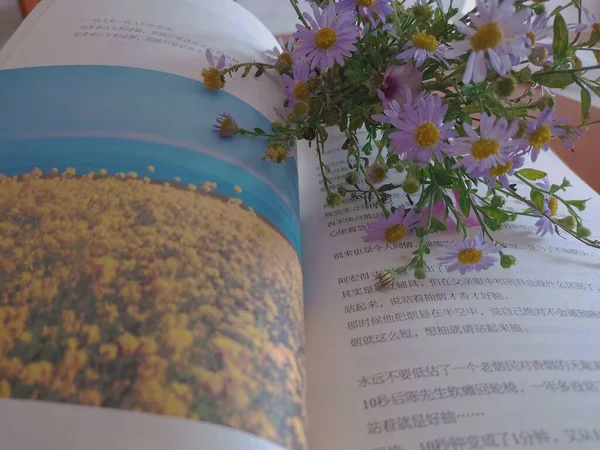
{"points": [[162, 288]]}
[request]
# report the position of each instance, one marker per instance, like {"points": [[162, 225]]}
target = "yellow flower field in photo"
{"points": [[126, 292]]}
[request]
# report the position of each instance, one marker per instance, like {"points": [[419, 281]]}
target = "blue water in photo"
{"points": [[124, 119]]}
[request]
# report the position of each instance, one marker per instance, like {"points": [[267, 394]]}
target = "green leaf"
{"points": [[259, 71], [537, 198], [532, 174], [586, 102], [367, 149], [579, 204], [465, 203], [436, 225], [557, 81], [560, 42], [523, 75], [492, 224], [246, 71], [554, 188], [259, 131], [494, 213], [426, 250], [565, 183]]}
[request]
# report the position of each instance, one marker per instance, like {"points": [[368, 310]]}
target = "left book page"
{"points": [[150, 281]]}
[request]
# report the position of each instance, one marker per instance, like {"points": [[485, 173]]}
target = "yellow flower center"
{"points": [[285, 60], [487, 36], [499, 170], [596, 27], [325, 38], [377, 173], [367, 3], [540, 136], [484, 148], [395, 233], [553, 206], [211, 77], [226, 126], [469, 256], [425, 41], [301, 91], [427, 135], [531, 37]]}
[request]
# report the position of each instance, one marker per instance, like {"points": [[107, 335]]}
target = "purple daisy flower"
{"points": [[542, 130], [571, 135], [470, 254], [498, 34], [393, 228], [501, 172], [421, 130], [212, 77], [376, 11], [330, 38], [282, 56], [296, 88], [226, 125], [401, 83], [421, 47], [540, 28], [490, 148]]}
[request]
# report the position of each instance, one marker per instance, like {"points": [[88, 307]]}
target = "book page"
{"points": [[150, 278], [498, 359]]}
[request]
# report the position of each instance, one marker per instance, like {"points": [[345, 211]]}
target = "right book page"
{"points": [[494, 359]]}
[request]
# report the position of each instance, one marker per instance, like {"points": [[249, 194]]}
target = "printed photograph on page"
{"points": [[147, 264]]}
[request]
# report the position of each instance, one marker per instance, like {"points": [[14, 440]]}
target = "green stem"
{"points": [[322, 165], [299, 13], [561, 72], [236, 67]]}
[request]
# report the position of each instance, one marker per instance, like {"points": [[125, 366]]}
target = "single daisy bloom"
{"points": [[226, 125], [490, 148], [296, 87], [540, 28], [593, 19], [376, 11], [542, 130], [501, 172], [394, 228], [498, 33], [281, 57], [423, 46], [331, 37], [470, 254], [377, 173], [400, 83], [543, 225], [212, 77], [421, 130]]}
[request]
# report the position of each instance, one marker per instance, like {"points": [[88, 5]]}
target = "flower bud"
{"points": [[422, 12], [497, 201], [420, 273], [277, 126], [334, 199], [399, 167], [284, 63], [522, 130], [507, 261], [313, 84], [583, 232], [342, 191], [568, 221], [300, 110], [384, 280], [529, 93], [505, 86], [315, 105], [352, 178], [545, 102], [331, 115], [410, 185]]}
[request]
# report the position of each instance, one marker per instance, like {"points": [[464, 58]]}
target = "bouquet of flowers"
{"points": [[448, 102]]}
